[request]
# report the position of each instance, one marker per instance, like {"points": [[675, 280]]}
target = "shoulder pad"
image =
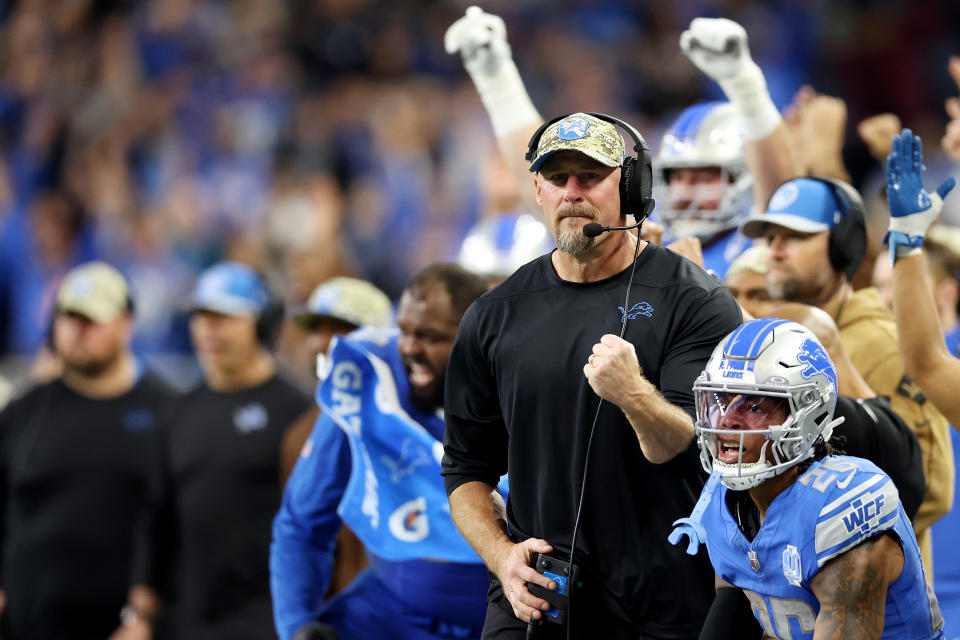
{"points": [[857, 501]]}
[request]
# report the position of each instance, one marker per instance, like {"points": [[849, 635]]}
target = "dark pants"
{"points": [[589, 619]]}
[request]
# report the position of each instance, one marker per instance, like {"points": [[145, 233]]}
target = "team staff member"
{"points": [[816, 234], [530, 360], [382, 401], [75, 461], [222, 460]]}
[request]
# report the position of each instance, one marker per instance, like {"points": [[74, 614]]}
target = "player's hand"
{"points": [[612, 369], [951, 138], [481, 39], [824, 126], [717, 46], [514, 572], [878, 132], [912, 209]]}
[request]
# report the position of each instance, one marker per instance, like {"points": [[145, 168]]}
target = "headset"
{"points": [[636, 173], [848, 238], [270, 318]]}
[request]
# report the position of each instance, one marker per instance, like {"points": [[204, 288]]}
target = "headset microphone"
{"points": [[593, 229]]}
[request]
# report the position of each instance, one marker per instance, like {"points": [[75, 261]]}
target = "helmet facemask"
{"points": [[783, 371], [705, 135]]}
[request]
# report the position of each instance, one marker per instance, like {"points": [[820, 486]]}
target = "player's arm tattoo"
{"points": [[852, 590]]}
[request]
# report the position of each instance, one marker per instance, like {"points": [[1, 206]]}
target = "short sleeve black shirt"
{"points": [[76, 478], [223, 456]]}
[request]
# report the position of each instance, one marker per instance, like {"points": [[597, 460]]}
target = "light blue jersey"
{"points": [[719, 255], [837, 503]]}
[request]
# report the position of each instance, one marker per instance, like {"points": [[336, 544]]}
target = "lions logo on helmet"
{"points": [[705, 135], [773, 359]]}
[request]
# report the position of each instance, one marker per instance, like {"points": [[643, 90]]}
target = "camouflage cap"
{"points": [[581, 132], [96, 291], [354, 301]]}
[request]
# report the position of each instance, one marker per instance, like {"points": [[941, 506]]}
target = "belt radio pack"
{"points": [[565, 575]]}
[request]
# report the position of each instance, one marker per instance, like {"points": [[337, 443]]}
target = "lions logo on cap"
{"points": [[784, 197], [573, 128]]}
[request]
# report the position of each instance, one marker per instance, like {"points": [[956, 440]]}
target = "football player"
{"points": [[703, 188], [818, 543]]}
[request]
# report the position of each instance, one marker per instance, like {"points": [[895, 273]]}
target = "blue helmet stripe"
{"points": [[690, 120], [747, 341]]}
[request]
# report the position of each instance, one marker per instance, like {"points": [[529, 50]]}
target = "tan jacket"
{"points": [[869, 335]]}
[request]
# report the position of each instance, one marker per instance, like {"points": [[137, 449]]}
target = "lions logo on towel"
{"points": [[573, 128]]}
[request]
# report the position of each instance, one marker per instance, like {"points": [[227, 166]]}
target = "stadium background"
{"points": [[325, 137]]}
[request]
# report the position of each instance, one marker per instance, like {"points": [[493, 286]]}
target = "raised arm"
{"points": [[481, 39], [912, 211], [718, 47], [817, 127]]}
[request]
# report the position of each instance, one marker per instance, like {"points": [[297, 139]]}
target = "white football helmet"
{"points": [[708, 134], [771, 358], [498, 246]]}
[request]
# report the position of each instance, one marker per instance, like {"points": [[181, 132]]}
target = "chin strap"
{"points": [[691, 525]]}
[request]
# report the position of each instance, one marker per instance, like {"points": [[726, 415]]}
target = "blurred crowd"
{"points": [[336, 137]]}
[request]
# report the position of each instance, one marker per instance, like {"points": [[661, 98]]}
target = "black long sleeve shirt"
{"points": [[517, 400]]}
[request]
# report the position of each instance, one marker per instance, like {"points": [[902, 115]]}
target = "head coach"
{"points": [[575, 376]]}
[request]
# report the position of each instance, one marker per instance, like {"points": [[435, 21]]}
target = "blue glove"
{"points": [[912, 209]]}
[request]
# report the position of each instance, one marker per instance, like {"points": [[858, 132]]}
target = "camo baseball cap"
{"points": [[350, 300], [581, 132], [94, 290]]}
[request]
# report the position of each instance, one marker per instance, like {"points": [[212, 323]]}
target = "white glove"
{"points": [[481, 39], [718, 47]]}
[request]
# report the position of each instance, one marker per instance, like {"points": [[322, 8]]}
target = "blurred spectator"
{"points": [[76, 456], [338, 138]]}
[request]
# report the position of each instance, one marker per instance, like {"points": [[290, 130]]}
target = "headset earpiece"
{"points": [[848, 238], [270, 319], [636, 173]]}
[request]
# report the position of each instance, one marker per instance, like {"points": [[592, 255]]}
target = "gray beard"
{"points": [[573, 241]]}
